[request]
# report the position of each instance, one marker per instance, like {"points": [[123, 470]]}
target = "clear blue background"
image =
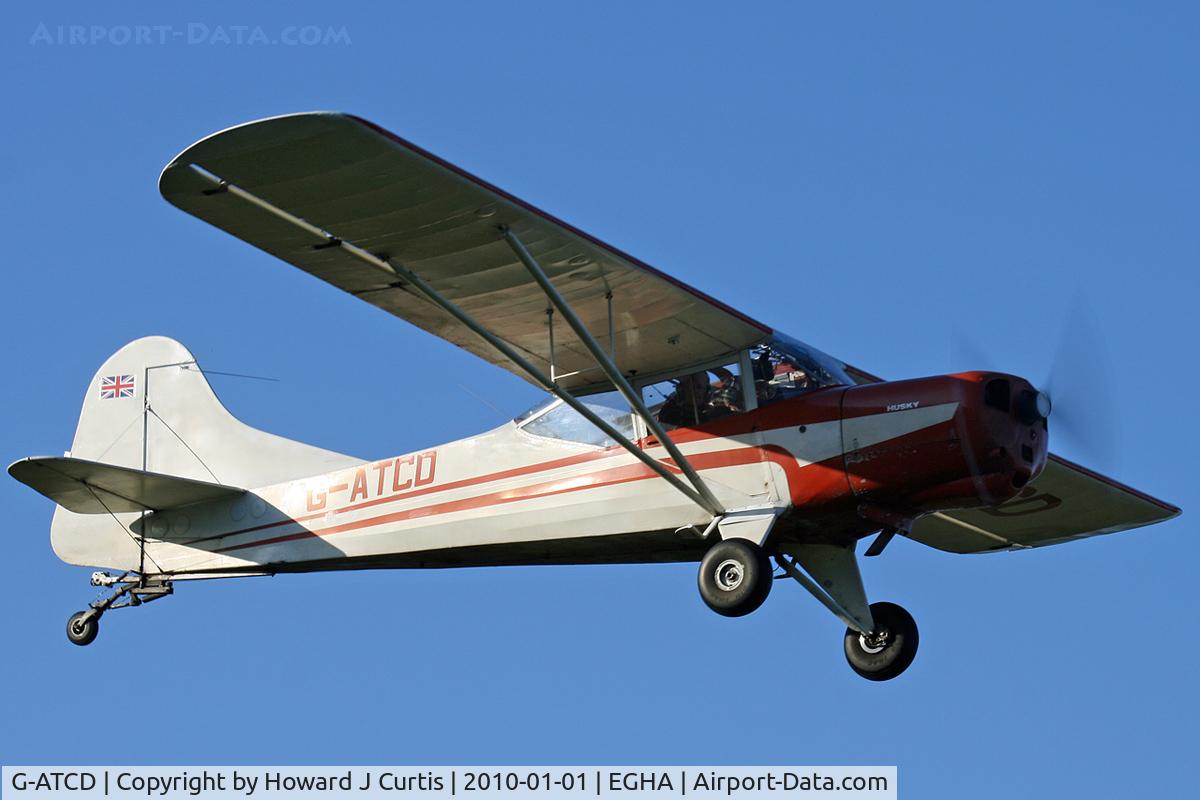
{"points": [[870, 177]]}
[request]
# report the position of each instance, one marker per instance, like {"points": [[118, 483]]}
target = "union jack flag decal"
{"points": [[116, 386]]}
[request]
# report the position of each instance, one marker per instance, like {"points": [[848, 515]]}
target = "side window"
{"points": [[696, 397], [564, 422]]}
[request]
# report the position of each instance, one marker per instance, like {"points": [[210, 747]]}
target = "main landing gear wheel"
{"points": [[83, 627], [886, 653], [735, 577]]}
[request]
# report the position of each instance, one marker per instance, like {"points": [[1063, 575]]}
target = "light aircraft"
{"points": [[677, 429]]}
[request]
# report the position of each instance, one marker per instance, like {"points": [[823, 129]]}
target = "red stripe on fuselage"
{"points": [[514, 472], [798, 411], [593, 480], [608, 477]]}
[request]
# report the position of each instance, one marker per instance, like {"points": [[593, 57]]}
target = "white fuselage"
{"points": [[505, 496]]}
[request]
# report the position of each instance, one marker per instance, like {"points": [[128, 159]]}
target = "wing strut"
{"points": [[396, 270], [605, 360]]}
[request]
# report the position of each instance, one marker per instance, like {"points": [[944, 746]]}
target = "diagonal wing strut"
{"points": [[698, 492], [605, 361]]}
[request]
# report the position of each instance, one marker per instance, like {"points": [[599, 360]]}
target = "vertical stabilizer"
{"points": [[150, 407]]}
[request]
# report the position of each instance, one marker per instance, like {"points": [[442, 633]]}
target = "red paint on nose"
{"points": [[980, 448]]}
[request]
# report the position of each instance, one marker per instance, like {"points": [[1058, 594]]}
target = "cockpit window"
{"points": [[785, 368], [782, 368], [557, 420], [696, 397]]}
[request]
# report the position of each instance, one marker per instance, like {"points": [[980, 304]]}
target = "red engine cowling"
{"points": [[952, 441]]}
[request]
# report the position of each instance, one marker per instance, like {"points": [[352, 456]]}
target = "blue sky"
{"points": [[874, 178]]}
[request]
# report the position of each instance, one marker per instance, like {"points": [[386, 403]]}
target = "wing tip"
{"points": [[18, 465], [179, 159], [1171, 510]]}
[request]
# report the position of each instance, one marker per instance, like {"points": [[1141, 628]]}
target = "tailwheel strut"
{"points": [[130, 590]]}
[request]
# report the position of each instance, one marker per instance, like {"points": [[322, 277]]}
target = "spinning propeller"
{"points": [[1076, 396]]}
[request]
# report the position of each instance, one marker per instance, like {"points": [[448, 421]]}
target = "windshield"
{"points": [[536, 408], [784, 368]]}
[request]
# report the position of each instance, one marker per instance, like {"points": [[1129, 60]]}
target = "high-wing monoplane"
{"points": [[675, 429]]}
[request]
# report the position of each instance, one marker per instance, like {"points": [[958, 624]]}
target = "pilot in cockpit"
{"points": [[696, 400]]}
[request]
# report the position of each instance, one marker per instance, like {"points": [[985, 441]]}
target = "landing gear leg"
{"points": [[881, 638], [84, 626]]}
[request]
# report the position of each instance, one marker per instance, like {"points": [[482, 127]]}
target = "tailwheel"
{"points": [[128, 591], [735, 577], [83, 627], [888, 651]]}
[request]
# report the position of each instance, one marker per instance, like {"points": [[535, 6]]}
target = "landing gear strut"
{"points": [[881, 638], [84, 626]]}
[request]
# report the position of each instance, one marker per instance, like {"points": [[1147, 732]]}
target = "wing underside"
{"points": [[362, 185], [1066, 502]]}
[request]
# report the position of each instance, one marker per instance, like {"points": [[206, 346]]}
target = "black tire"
{"points": [[735, 577], [895, 650], [82, 628]]}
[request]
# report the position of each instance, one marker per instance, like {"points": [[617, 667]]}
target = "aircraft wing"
{"points": [[365, 186], [1066, 502]]}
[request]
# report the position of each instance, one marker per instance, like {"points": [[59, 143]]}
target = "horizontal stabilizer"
{"points": [[89, 487]]}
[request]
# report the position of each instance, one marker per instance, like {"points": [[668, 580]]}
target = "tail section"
{"points": [[150, 407]]}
